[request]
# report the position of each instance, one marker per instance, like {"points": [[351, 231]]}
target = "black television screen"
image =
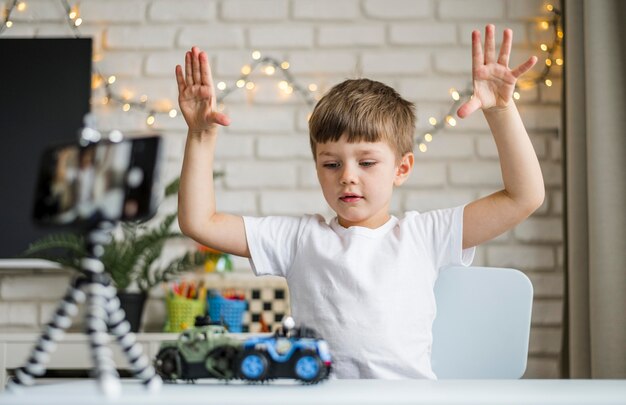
{"points": [[45, 86]]}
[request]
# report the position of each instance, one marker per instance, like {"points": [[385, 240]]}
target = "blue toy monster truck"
{"points": [[290, 353]]}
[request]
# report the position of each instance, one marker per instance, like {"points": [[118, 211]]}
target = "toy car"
{"points": [[290, 353], [209, 351], [205, 351]]}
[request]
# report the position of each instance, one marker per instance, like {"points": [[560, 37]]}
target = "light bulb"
{"points": [[428, 137], [111, 79], [256, 55], [249, 85], [126, 107], [269, 70], [423, 147], [285, 65], [246, 69], [150, 120], [432, 121], [312, 87], [221, 86], [241, 83], [173, 113]]}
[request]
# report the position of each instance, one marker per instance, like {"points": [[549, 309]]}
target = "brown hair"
{"points": [[365, 111]]}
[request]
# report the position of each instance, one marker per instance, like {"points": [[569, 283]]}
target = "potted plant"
{"points": [[130, 259]]}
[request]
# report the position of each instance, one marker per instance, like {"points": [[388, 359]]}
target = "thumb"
{"points": [[220, 118], [468, 107]]}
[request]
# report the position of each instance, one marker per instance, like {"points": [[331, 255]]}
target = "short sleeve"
{"points": [[442, 234], [272, 242]]}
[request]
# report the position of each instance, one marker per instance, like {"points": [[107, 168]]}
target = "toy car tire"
{"points": [[167, 364], [308, 367], [225, 360], [254, 365]]}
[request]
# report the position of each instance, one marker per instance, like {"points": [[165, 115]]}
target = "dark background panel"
{"points": [[45, 86]]}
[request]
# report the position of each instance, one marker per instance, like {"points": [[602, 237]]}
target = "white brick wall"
{"points": [[421, 47]]}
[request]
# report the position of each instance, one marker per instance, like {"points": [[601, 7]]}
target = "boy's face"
{"points": [[357, 179]]}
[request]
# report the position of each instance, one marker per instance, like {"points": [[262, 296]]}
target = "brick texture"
{"points": [[420, 47]]}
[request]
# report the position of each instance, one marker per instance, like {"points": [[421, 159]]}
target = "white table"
{"points": [[483, 392]]}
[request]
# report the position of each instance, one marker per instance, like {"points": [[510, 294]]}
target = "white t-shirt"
{"points": [[368, 292]]}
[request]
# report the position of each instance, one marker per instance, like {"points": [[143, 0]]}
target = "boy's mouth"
{"points": [[350, 197]]}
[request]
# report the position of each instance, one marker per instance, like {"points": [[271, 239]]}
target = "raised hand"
{"points": [[196, 93], [493, 81]]}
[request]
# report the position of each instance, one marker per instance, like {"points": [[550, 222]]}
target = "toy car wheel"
{"points": [[308, 367], [254, 365], [167, 364], [222, 361]]}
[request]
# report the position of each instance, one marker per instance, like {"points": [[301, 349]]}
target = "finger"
{"points": [[188, 74], [221, 118], [477, 50], [180, 79], [490, 44], [205, 71], [505, 48], [524, 67], [468, 107], [195, 65]]}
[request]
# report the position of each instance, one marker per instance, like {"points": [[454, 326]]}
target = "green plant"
{"points": [[131, 255]]}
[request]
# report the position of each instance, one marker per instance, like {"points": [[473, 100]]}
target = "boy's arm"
{"points": [[523, 192], [196, 198]]}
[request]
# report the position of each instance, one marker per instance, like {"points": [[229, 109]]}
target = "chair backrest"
{"points": [[483, 323]]}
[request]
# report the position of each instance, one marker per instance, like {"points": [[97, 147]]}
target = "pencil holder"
{"points": [[182, 312], [228, 311]]}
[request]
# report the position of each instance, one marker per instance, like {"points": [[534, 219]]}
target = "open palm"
{"points": [[493, 81], [196, 93]]}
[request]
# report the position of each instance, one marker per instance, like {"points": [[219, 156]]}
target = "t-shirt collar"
{"points": [[362, 230]]}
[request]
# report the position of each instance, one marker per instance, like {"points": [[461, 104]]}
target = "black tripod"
{"points": [[103, 317]]}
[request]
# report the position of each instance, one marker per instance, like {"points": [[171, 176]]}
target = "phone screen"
{"points": [[103, 181]]}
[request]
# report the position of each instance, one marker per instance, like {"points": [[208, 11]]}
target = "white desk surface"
{"points": [[483, 392]]}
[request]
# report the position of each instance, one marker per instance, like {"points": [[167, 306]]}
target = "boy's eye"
{"points": [[367, 163], [331, 165]]}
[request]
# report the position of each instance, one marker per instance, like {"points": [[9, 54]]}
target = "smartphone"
{"points": [[82, 186]]}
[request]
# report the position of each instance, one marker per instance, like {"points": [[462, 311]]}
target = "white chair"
{"points": [[483, 323]]}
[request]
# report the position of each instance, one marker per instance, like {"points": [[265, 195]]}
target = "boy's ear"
{"points": [[404, 168]]}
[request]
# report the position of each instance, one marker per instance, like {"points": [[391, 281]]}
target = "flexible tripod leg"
{"points": [[53, 332], [120, 328], [96, 324]]}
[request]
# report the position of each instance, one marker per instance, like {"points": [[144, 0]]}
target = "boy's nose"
{"points": [[348, 176]]}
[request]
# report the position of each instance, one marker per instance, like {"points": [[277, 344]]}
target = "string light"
{"points": [[459, 97], [288, 85]]}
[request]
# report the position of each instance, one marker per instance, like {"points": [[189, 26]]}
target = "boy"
{"points": [[365, 280]]}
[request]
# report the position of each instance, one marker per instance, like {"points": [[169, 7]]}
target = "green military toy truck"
{"points": [[205, 351]]}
